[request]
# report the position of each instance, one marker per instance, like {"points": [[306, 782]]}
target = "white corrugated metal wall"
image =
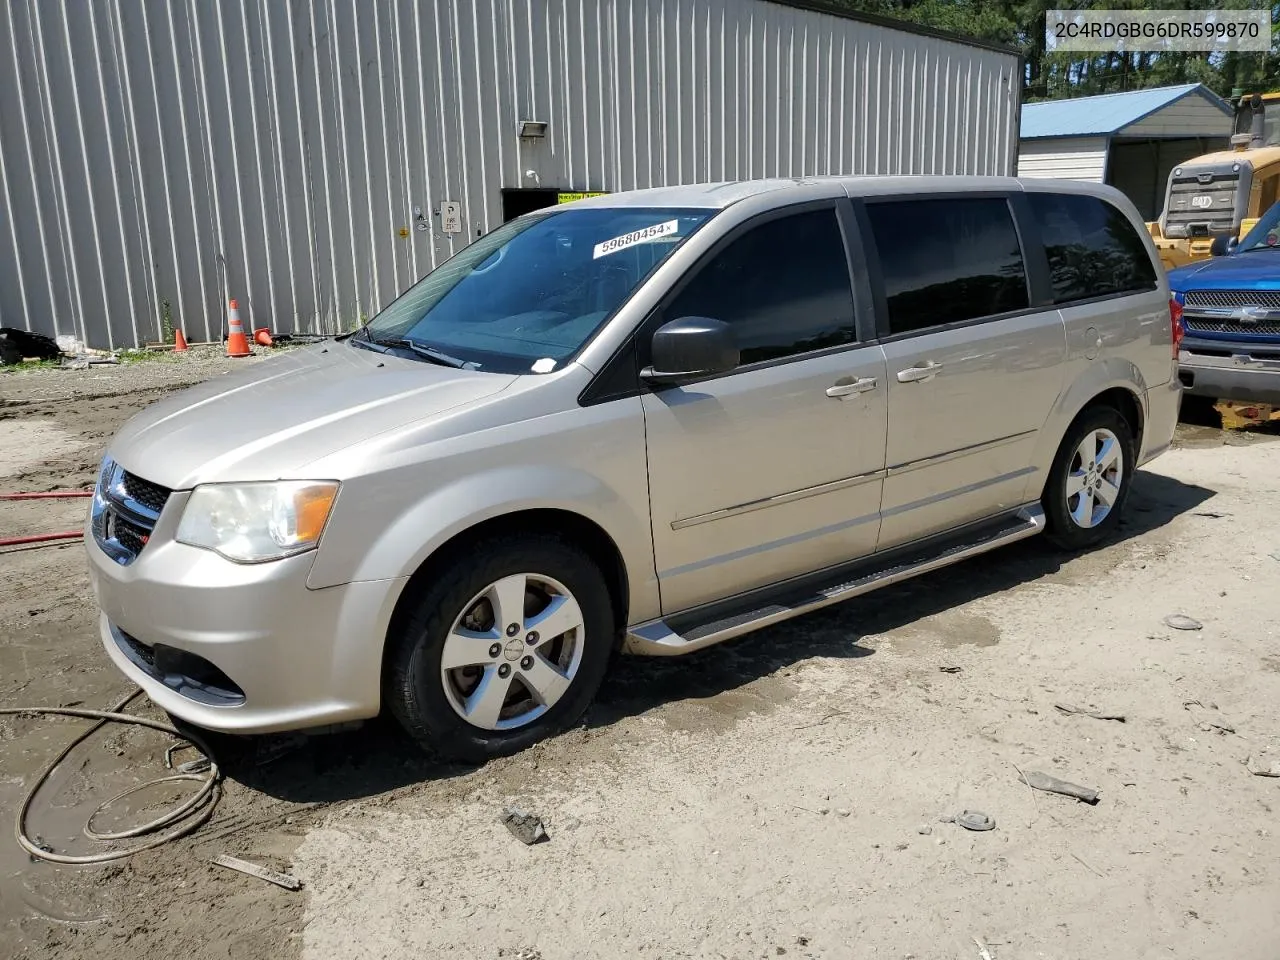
{"points": [[159, 156], [1067, 158]]}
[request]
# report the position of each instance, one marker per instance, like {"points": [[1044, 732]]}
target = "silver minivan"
{"points": [[649, 421]]}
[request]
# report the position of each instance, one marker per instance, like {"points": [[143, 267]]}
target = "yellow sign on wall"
{"points": [[570, 197]]}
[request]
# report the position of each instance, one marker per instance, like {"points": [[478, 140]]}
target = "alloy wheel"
{"points": [[513, 652], [1094, 478]]}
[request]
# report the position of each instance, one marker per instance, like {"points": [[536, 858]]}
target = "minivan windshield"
{"points": [[1265, 234], [527, 296]]}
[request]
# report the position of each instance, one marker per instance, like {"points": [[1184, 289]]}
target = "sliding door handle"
{"points": [[847, 388], [921, 371]]}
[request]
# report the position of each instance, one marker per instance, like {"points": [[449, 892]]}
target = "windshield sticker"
{"points": [[545, 365], [643, 235], [1271, 239]]}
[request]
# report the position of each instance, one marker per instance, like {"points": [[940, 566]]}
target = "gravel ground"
{"points": [[777, 796], [159, 371]]}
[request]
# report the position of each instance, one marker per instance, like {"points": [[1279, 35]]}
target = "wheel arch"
{"points": [[563, 524], [1116, 384]]}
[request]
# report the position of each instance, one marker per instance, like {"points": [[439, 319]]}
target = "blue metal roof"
{"points": [[1105, 114]]}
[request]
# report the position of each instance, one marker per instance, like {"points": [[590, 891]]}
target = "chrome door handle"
{"points": [[923, 371], [847, 388]]}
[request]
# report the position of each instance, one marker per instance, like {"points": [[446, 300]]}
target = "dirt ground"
{"points": [[778, 796]]}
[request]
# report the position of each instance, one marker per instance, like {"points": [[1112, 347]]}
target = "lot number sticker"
{"points": [[643, 235]]}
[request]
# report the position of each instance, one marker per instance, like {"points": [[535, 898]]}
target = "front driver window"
{"points": [[782, 286]]}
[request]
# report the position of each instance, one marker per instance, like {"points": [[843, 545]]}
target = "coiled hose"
{"points": [[184, 818]]}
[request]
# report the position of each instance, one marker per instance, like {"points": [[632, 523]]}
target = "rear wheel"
{"points": [[507, 647], [1089, 480]]}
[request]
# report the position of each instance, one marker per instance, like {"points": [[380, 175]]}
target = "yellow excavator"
{"points": [[1220, 196]]}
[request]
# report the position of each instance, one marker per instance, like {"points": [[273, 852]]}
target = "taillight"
{"points": [[1175, 322]]}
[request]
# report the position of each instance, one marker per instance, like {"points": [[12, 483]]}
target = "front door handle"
{"points": [[921, 371], [847, 387]]}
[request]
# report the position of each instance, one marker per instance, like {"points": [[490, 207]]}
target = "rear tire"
{"points": [[469, 673], [1089, 480]]}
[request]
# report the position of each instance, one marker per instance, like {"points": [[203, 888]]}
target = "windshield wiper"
{"points": [[1256, 248], [422, 350]]}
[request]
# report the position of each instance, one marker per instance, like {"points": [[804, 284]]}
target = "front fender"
{"points": [[387, 523]]}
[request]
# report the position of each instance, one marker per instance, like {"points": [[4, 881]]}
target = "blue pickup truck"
{"points": [[1230, 307]]}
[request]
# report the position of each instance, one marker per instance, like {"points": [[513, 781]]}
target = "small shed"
{"points": [[1128, 140]]}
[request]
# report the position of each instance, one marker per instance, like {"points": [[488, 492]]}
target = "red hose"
{"points": [[61, 495], [41, 538]]}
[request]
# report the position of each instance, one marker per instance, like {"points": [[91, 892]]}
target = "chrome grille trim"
{"points": [[1270, 299], [125, 511], [1205, 325]]}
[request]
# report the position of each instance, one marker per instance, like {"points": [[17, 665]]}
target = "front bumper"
{"points": [[1241, 376], [286, 656]]}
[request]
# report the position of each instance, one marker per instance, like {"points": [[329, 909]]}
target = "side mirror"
{"points": [[690, 348], [1223, 245]]}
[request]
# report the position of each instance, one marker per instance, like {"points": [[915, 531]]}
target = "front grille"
{"points": [[131, 536], [1204, 325], [125, 511], [1240, 312], [139, 649], [1201, 209], [1270, 299], [150, 495], [187, 674]]}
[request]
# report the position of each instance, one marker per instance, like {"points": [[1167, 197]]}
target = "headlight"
{"points": [[254, 522]]}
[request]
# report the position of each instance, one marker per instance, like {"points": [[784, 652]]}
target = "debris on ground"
{"points": [[1208, 719], [19, 345], [975, 820], [983, 952], [1262, 766], [924, 829], [1089, 712], [525, 827], [1181, 622], [950, 669], [256, 870], [270, 749], [1049, 784], [843, 811]]}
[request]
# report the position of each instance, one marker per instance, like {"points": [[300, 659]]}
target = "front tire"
{"points": [[1089, 481], [507, 646]]}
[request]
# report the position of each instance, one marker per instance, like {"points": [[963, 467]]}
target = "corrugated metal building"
{"points": [[1129, 140], [313, 158]]}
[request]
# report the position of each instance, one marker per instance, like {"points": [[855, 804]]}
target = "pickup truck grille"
{"points": [[1201, 209], [125, 511], [1268, 299], [1203, 325]]}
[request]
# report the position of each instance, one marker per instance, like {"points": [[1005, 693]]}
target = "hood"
{"points": [[273, 419], [1260, 270]]}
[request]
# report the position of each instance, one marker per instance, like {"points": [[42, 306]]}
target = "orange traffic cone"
{"points": [[237, 345], [179, 341], [262, 337]]}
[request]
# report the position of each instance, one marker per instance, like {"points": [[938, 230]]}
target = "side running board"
{"points": [[712, 624]]}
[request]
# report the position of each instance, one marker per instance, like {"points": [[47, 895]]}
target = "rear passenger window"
{"points": [[948, 260], [1093, 249], [783, 286]]}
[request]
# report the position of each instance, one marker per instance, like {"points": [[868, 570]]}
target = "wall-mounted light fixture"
{"points": [[532, 130]]}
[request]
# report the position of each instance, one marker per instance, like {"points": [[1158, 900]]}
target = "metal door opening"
{"points": [[516, 203]]}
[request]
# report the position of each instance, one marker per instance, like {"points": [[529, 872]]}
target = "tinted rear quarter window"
{"points": [[783, 286], [1093, 249], [947, 260]]}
